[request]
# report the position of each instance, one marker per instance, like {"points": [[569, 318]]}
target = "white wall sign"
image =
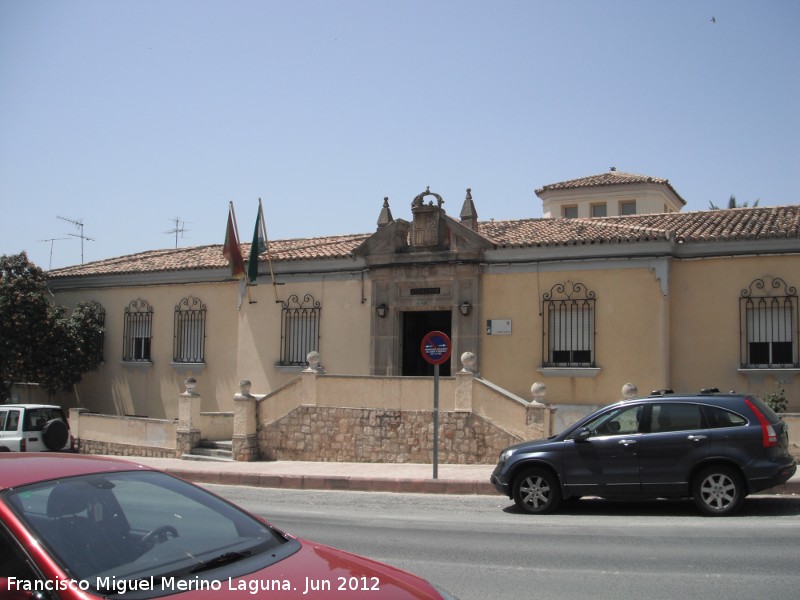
{"points": [[498, 327]]}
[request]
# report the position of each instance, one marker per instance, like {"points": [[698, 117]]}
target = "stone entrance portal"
{"points": [[425, 276]]}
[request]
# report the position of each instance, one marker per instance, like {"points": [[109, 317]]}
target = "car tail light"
{"points": [[768, 436]]}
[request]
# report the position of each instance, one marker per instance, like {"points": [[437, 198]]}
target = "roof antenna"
{"points": [[51, 240], [180, 228], [79, 225]]}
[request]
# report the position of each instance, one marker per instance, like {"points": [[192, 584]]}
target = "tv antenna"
{"points": [[180, 228], [79, 225], [51, 240]]}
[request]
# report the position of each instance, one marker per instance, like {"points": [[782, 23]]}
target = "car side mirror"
{"points": [[581, 435]]}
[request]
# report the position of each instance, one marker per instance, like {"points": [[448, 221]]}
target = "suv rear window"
{"points": [[37, 418], [719, 417], [770, 414]]}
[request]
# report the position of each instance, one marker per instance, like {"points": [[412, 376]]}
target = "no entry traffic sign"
{"points": [[435, 347]]}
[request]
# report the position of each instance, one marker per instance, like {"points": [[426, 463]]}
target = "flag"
{"points": [[258, 246], [231, 249]]}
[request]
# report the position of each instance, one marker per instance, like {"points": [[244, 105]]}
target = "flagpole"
{"points": [[269, 254], [235, 224], [239, 247]]}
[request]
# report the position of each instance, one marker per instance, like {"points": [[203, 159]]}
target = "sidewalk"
{"points": [[354, 477]]}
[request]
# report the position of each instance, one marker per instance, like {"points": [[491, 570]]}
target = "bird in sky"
{"points": [[713, 19]]}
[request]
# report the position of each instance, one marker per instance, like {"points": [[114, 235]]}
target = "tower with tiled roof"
{"points": [[609, 194]]}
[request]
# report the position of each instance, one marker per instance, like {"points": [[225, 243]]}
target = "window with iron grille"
{"points": [[299, 329], [189, 332], [138, 331], [768, 328], [568, 326]]}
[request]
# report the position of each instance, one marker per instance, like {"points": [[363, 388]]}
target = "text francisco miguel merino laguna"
{"points": [[112, 585]]}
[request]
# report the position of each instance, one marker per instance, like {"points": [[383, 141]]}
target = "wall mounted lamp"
{"points": [[381, 310], [465, 308]]}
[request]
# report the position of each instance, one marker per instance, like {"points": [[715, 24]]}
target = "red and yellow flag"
{"points": [[231, 249]]}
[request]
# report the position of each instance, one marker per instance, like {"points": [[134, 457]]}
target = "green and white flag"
{"points": [[258, 246]]}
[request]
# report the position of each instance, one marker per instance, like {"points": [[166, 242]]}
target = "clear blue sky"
{"points": [[127, 114]]}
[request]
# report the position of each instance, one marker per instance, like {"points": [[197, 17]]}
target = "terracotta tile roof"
{"points": [[210, 257], [736, 224], [606, 179], [706, 226]]}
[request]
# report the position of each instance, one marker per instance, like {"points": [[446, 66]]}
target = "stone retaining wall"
{"points": [[380, 435]]}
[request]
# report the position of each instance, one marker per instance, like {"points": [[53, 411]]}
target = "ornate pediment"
{"points": [[430, 232]]}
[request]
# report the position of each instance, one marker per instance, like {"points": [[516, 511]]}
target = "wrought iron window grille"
{"points": [[769, 331], [568, 332], [137, 331], [299, 329], [189, 331]]}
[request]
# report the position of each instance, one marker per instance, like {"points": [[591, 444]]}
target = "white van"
{"points": [[34, 428]]}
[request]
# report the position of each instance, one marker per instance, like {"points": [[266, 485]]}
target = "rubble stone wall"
{"points": [[116, 449], [381, 435]]}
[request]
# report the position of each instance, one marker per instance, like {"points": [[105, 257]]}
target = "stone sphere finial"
{"points": [[313, 360], [538, 391], [469, 361], [629, 391]]}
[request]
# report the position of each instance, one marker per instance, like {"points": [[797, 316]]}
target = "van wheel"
{"points": [[718, 491], [55, 434], [536, 490]]}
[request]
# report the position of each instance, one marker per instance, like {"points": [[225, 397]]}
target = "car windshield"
{"points": [[134, 525]]}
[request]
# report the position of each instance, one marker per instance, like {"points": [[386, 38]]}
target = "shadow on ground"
{"points": [[754, 506]]}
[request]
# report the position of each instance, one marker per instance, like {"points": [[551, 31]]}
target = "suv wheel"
{"points": [[536, 491], [55, 434], [718, 491]]}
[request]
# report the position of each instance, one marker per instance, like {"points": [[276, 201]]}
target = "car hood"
{"points": [[535, 445], [315, 571]]}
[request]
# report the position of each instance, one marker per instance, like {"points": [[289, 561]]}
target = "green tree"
{"points": [[733, 204], [39, 342]]}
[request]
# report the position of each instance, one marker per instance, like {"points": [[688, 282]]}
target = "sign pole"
{"points": [[435, 349], [436, 421]]}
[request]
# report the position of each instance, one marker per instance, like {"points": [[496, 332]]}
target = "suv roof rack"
{"points": [[707, 391], [661, 392]]}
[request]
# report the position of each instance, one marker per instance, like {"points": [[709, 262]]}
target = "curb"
{"points": [[337, 483]]}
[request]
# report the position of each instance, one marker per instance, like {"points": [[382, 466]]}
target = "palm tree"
{"points": [[733, 204]]}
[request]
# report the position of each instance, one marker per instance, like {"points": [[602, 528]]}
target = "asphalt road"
{"points": [[482, 548]]}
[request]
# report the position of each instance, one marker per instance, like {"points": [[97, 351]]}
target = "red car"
{"points": [[76, 526]]}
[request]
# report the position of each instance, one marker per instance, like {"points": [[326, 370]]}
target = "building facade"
{"points": [[659, 298]]}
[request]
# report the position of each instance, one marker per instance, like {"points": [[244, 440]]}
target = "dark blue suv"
{"points": [[711, 447]]}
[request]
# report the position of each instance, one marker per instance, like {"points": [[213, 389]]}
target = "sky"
{"points": [[137, 118]]}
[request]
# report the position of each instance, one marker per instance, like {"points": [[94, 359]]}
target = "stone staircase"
{"points": [[220, 451]]}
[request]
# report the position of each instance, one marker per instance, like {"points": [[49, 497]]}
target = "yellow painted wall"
{"points": [[344, 331], [705, 331], [628, 321], [152, 389]]}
